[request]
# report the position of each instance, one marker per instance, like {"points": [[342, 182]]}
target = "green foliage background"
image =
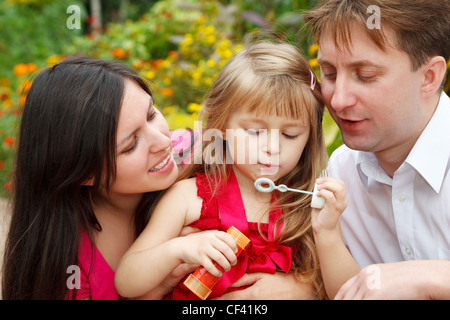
{"points": [[179, 46]]}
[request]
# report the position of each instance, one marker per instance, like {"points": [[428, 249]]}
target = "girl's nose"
{"points": [[271, 145]]}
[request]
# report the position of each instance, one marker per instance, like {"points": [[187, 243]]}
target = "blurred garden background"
{"points": [[178, 45]]}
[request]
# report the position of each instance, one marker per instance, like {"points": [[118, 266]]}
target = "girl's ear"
{"points": [[434, 72]]}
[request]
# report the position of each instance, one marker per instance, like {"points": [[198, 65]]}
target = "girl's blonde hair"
{"points": [[273, 79]]}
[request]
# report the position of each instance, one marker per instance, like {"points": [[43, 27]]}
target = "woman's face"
{"points": [[144, 148]]}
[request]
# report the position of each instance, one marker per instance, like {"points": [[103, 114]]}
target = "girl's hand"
{"points": [[207, 247], [333, 191]]}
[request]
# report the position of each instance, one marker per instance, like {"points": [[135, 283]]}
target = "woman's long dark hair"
{"points": [[67, 137]]}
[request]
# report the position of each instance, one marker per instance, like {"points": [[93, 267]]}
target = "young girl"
{"points": [[92, 154], [263, 119]]}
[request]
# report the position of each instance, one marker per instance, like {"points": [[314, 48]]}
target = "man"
{"points": [[383, 64]]}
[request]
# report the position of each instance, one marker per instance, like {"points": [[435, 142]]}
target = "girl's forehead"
{"points": [[267, 119], [270, 111]]}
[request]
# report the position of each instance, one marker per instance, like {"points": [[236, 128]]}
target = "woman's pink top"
{"points": [[223, 210], [96, 276]]}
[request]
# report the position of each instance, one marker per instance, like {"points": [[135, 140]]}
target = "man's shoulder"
{"points": [[343, 154], [342, 161]]}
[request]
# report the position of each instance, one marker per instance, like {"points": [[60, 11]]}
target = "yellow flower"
{"points": [[52, 60], [210, 30], [211, 63], [8, 103], [168, 110], [313, 49], [149, 74], [194, 107], [210, 39], [313, 63]]}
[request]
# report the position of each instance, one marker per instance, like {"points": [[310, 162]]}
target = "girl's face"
{"points": [[265, 146], [144, 148]]}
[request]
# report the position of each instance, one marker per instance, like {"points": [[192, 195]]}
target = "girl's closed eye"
{"points": [[254, 132], [290, 136]]}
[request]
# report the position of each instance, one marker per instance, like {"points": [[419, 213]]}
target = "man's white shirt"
{"points": [[406, 217]]}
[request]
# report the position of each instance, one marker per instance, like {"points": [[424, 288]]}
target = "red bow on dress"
{"points": [[260, 255]]}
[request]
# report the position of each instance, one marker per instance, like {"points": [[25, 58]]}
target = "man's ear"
{"points": [[434, 73]]}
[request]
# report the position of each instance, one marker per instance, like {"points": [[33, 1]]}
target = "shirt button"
{"points": [[402, 198], [408, 251]]}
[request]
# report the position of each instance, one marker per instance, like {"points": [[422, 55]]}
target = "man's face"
{"points": [[373, 95]]}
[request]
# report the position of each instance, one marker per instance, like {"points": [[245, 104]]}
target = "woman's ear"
{"points": [[88, 182], [434, 72]]}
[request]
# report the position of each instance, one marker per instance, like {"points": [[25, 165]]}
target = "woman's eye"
{"points": [[151, 115], [132, 147]]}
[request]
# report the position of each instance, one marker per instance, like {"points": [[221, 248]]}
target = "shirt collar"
{"points": [[370, 168], [431, 153]]}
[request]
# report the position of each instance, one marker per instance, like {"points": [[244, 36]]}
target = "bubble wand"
{"points": [[316, 202]]}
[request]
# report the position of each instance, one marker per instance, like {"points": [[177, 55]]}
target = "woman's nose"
{"points": [[158, 140]]}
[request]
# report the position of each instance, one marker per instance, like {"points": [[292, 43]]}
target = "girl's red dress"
{"points": [[223, 210]]}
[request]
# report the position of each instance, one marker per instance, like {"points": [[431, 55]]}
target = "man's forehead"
{"points": [[355, 43], [351, 35]]}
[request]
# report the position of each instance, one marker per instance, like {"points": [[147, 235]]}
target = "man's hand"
{"points": [[266, 286], [418, 279]]}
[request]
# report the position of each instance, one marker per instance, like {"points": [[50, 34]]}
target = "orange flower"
{"points": [[167, 92], [31, 67], [119, 53], [8, 185], [2, 164], [9, 141], [24, 68], [157, 63], [26, 85], [172, 53], [20, 70], [22, 100]]}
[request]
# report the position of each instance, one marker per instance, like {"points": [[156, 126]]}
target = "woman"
{"points": [[93, 153]]}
